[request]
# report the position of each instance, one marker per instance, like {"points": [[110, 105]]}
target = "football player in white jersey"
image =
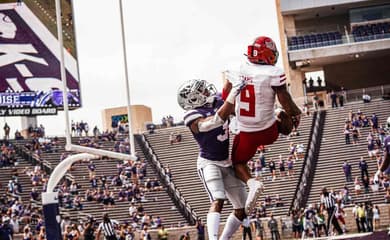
{"points": [[258, 124]]}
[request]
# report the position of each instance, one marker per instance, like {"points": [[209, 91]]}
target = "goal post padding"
{"points": [[50, 198], [51, 214]]}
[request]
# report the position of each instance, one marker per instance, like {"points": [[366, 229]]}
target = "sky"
{"points": [[168, 42]]}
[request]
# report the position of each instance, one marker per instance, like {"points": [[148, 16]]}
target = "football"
{"points": [[285, 123]]}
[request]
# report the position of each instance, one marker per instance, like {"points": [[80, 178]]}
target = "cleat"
{"points": [[255, 189]]}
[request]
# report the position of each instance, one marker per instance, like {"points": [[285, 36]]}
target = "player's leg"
{"points": [[236, 193], [242, 151], [211, 177], [304, 232], [244, 148]]}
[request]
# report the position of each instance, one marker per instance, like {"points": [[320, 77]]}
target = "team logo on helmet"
{"points": [[263, 51], [195, 93], [270, 44]]}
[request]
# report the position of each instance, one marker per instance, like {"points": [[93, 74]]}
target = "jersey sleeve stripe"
{"points": [[191, 116]]}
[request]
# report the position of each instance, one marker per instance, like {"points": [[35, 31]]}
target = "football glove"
{"points": [[238, 83]]}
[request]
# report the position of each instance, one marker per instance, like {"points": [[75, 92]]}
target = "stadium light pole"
{"points": [[131, 135]]}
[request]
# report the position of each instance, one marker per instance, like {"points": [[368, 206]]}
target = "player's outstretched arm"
{"points": [[227, 86], [223, 113], [287, 103], [209, 123], [234, 90]]}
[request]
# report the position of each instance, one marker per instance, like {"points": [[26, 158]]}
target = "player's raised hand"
{"points": [[237, 86], [232, 76]]}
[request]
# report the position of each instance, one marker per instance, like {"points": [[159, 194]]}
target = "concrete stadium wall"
{"points": [[359, 74], [293, 5], [323, 24], [140, 115]]}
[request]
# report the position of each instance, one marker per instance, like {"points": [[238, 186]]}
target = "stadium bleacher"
{"points": [[372, 31], [166, 209], [314, 40], [181, 157], [333, 151]]}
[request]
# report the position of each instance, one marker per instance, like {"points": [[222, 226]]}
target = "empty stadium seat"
{"points": [[314, 40]]}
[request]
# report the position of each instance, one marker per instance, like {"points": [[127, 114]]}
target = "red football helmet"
{"points": [[263, 51]]}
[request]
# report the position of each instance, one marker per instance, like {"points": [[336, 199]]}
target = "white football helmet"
{"points": [[195, 93]]}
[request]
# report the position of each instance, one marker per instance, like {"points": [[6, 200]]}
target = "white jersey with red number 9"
{"points": [[255, 104]]}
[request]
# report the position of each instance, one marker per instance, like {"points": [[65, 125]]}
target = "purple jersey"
{"points": [[387, 144], [214, 144], [386, 149]]}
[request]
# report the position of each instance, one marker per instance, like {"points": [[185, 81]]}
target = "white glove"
{"points": [[236, 89], [376, 176], [238, 81], [232, 76]]}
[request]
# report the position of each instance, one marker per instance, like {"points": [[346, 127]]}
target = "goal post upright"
{"points": [[129, 114], [50, 197], [50, 204]]}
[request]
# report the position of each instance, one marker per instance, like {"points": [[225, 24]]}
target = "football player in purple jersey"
{"points": [[207, 118]]}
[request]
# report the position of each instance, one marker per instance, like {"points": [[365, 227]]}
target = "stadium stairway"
{"points": [[333, 151], [158, 202], [181, 158]]}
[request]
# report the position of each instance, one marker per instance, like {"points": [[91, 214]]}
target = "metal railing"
{"points": [[354, 95], [301, 176], [34, 159], [373, 92], [310, 164], [345, 39], [314, 29]]}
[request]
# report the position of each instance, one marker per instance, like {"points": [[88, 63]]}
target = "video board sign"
{"points": [[30, 67], [17, 112], [120, 118]]}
